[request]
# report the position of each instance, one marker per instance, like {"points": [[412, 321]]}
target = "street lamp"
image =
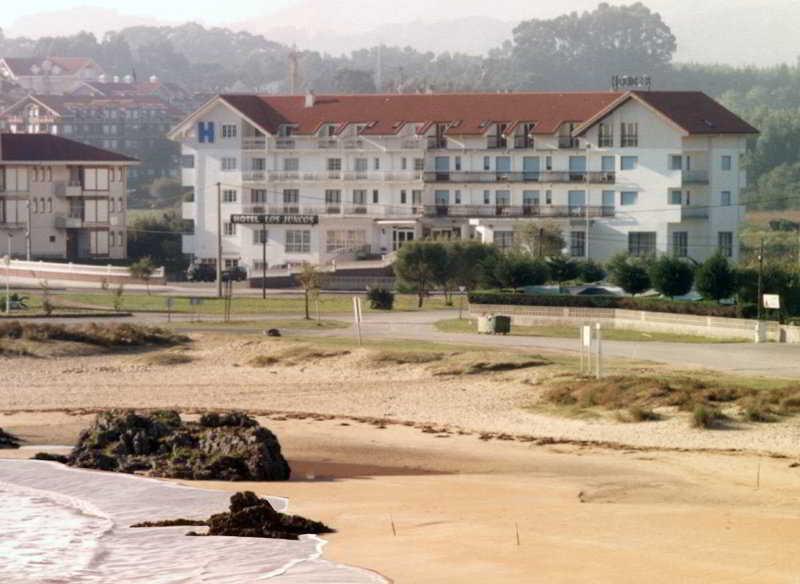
{"points": [[8, 276]]}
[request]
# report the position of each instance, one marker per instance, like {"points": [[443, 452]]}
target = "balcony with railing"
{"points": [[284, 143], [694, 177], [523, 142], [689, 212], [567, 142], [436, 143], [496, 143], [513, 211], [254, 142], [549, 176], [335, 209]]}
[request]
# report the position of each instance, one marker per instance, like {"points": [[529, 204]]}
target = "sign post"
{"points": [[357, 318], [599, 349]]}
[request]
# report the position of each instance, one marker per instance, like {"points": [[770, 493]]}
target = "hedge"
{"points": [[623, 302]]}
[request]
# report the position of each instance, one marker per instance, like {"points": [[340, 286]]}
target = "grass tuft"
{"points": [[168, 359]]}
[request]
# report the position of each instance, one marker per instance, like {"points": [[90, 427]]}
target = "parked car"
{"points": [[201, 273], [235, 274]]}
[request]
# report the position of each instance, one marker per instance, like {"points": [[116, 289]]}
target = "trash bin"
{"points": [[486, 324], [502, 325]]}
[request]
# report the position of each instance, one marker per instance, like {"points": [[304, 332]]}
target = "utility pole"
{"points": [[586, 237], [760, 278], [219, 240], [263, 263], [8, 276]]}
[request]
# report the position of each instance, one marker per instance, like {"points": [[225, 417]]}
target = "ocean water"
{"points": [[63, 525]]}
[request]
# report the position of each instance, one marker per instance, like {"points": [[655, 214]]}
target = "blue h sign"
{"points": [[205, 132]]}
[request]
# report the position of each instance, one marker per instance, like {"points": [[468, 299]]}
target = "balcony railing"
{"points": [[334, 209], [284, 144], [521, 142], [546, 211], [254, 143], [436, 143], [567, 142], [496, 142], [549, 176], [688, 212], [694, 177]]}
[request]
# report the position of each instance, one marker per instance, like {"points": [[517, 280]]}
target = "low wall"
{"points": [[640, 320], [75, 272]]}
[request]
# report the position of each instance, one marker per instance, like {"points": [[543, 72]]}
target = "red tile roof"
{"points": [[62, 104], [67, 65], [49, 148], [471, 113]]}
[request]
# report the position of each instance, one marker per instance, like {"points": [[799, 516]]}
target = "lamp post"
{"points": [[8, 276]]}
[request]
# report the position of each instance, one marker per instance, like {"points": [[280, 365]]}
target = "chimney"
{"points": [[309, 99]]}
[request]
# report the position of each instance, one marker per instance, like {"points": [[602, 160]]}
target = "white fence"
{"points": [[640, 320], [74, 272]]}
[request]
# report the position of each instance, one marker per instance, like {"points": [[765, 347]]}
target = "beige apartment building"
{"points": [[61, 199]]}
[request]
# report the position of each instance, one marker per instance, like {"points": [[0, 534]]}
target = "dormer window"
{"points": [[285, 130], [605, 137], [629, 134]]}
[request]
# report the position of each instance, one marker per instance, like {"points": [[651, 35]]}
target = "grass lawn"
{"points": [[291, 324], [469, 326], [291, 304]]}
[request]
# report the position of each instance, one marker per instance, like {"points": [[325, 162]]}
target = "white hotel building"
{"points": [[644, 171]]}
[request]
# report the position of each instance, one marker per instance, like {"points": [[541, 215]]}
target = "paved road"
{"points": [[769, 359]]}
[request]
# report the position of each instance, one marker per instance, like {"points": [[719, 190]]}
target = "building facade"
{"points": [[60, 199], [49, 75], [341, 176], [135, 125]]}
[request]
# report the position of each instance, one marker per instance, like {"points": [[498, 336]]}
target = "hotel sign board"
{"points": [[772, 301], [264, 219]]}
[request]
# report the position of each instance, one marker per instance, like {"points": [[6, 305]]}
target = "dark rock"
{"points": [[51, 457], [273, 333], [229, 446], [8, 440], [170, 523]]}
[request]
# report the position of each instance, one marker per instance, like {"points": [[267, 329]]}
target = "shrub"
{"points": [[715, 278], [629, 273], [380, 299], [515, 270], [116, 335], [704, 416], [562, 269], [640, 414], [671, 276], [650, 304], [590, 271]]}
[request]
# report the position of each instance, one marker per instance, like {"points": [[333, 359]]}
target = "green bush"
{"points": [[629, 303], [706, 417], [590, 271], [380, 299], [629, 273], [715, 278], [671, 276]]}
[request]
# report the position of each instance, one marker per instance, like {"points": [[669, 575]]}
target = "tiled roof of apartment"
{"points": [[50, 148], [473, 113], [62, 104], [140, 88], [66, 65]]}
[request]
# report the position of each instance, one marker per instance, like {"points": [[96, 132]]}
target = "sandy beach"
{"points": [[404, 465]]}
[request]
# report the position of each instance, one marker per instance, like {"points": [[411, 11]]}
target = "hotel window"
{"points": [[404, 163], [577, 244], [680, 244], [403, 197], [548, 197], [458, 197], [360, 165], [228, 196], [504, 240], [642, 243], [334, 164], [290, 196], [605, 136], [458, 162], [345, 239], [333, 196], [258, 196], [676, 162], [298, 241], [228, 164], [628, 197], [419, 164], [291, 164], [359, 197], [725, 198], [376, 164], [260, 236], [112, 239], [608, 200], [607, 164], [376, 196], [629, 134], [95, 179], [487, 197], [725, 240], [487, 163], [675, 198], [416, 197], [548, 163], [229, 229], [628, 162], [230, 130], [111, 206], [727, 162]]}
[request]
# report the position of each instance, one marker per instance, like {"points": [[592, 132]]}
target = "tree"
{"points": [[464, 260], [590, 271], [421, 264], [354, 81], [515, 269], [158, 238], [671, 276], [715, 278], [562, 269], [540, 239], [628, 273], [310, 279], [143, 269]]}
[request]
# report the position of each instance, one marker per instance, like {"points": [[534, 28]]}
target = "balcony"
{"points": [[353, 144], [694, 177], [338, 209], [496, 143], [284, 144], [349, 175], [437, 143], [532, 211], [254, 176], [580, 177], [328, 143], [523, 142], [73, 189], [254, 143], [693, 213], [567, 142]]}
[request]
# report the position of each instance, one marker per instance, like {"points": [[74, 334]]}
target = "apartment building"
{"points": [[62, 199], [133, 124], [325, 177], [49, 75]]}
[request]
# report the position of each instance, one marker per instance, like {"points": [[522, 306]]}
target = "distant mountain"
{"points": [[66, 22]]}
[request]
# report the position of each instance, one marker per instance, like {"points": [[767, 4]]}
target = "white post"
{"points": [[357, 318], [598, 340]]}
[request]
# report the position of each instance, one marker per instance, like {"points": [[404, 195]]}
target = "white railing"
{"points": [[41, 269], [347, 175]]}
